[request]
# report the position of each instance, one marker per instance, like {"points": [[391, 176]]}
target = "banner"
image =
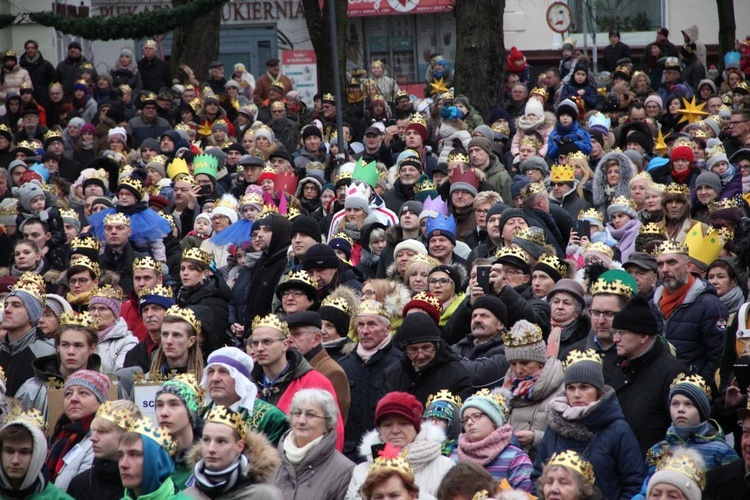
{"points": [[361, 8], [300, 66], [144, 396]]}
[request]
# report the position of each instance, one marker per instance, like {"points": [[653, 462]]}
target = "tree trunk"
{"points": [[319, 28], [480, 52], [727, 28], [196, 44]]}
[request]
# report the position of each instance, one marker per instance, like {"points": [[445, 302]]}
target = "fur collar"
{"points": [[263, 458]]}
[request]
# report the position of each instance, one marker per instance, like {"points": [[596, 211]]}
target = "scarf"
{"points": [[522, 388], [297, 454], [553, 341], [273, 78], [103, 334], [680, 177], [70, 435], [365, 354], [485, 450], [670, 301], [733, 299], [15, 272], [703, 429], [352, 230], [727, 176], [81, 299], [625, 237], [561, 406], [215, 483], [133, 209]]}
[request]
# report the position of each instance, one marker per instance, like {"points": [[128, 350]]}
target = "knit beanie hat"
{"points": [[636, 317], [417, 328], [535, 163], [428, 303], [337, 311], [491, 404], [307, 226], [445, 406], [682, 152], [342, 243], [412, 206], [480, 142], [621, 205], [402, 404], [716, 158], [452, 273], [655, 99], [320, 256], [185, 387], [494, 305], [96, 382], [694, 388], [30, 303], [709, 179], [567, 107], [584, 367], [57, 304], [27, 192], [524, 342], [112, 304], [684, 469], [71, 217], [415, 246], [508, 214]]}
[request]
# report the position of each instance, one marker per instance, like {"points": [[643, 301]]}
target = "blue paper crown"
{"points": [[732, 59], [442, 223]]}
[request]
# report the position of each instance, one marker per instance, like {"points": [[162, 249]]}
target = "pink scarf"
{"points": [[366, 354], [553, 341], [485, 450]]}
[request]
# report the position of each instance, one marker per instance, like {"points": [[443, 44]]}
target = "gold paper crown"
{"points": [[187, 315], [577, 356], [577, 155], [590, 213], [109, 292], [511, 252], [193, 384], [430, 299], [328, 97], [372, 307], [601, 248], [343, 175], [344, 236], [529, 336], [683, 462], [268, 209], [726, 234], [159, 290], [133, 183], [293, 212], [494, 396], [653, 228], [52, 134], [574, 461], [425, 185], [458, 156], [304, 277], [198, 254], [251, 199], [541, 91], [555, 263], [530, 140], [227, 202], [622, 200], [674, 188], [32, 289], [445, 95], [418, 118], [271, 321], [421, 257], [84, 261], [615, 287], [642, 175], [159, 159], [69, 214], [339, 303], [562, 173], [657, 186], [725, 204], [700, 133], [223, 415], [121, 418], [147, 262], [528, 234], [32, 417], [35, 280], [168, 217], [532, 188], [116, 218], [391, 459], [11, 210], [671, 247], [81, 319], [694, 380], [160, 435], [444, 395]]}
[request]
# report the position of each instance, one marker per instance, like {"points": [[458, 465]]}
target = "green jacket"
{"points": [[266, 419], [499, 179], [165, 492], [50, 492]]}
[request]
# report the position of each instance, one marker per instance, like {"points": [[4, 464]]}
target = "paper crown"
{"points": [[393, 459], [69, 214], [358, 190], [671, 247], [178, 167], [444, 395], [577, 356], [81, 319], [84, 261], [229, 202], [511, 252], [251, 199], [342, 176], [458, 156], [132, 183], [271, 321], [32, 417], [268, 209], [705, 249], [501, 128], [32, 288], [159, 290], [109, 292], [147, 262], [493, 396], [540, 91], [428, 298], [532, 235], [116, 219], [530, 140], [187, 315], [436, 205], [574, 461], [527, 336], [196, 392], [328, 97], [34, 280], [725, 204], [159, 435], [121, 418], [684, 462], [441, 223], [52, 134], [601, 248], [555, 263], [367, 173], [674, 188], [372, 307], [421, 257], [198, 254], [619, 285], [532, 188], [423, 184], [223, 415], [591, 213], [694, 380], [419, 119], [467, 177], [205, 164], [622, 200], [339, 303], [293, 212], [692, 112], [562, 173], [653, 228], [302, 276]]}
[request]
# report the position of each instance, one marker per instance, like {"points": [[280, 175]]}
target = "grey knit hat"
{"points": [[621, 208], [709, 179], [584, 368], [524, 342], [57, 304], [30, 303], [535, 162]]}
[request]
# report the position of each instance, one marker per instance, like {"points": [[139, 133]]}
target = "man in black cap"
{"points": [[263, 84], [642, 266], [647, 369], [249, 168], [31, 127], [305, 233], [155, 73], [216, 78], [375, 147], [305, 337], [148, 123], [312, 138], [615, 51], [409, 170], [322, 262], [69, 68]]}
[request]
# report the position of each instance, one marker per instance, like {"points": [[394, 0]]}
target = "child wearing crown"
{"points": [[34, 205]]}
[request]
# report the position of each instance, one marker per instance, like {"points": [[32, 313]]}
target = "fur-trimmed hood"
{"points": [[263, 457], [428, 436], [596, 418], [526, 124], [600, 178]]}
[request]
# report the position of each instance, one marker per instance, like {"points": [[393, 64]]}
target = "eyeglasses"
{"points": [[606, 314], [265, 342], [413, 350], [293, 293], [735, 122], [309, 415], [78, 281], [440, 281], [512, 272], [368, 293], [481, 212], [474, 417]]}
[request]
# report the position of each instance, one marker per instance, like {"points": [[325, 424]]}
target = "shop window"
{"points": [[624, 15]]}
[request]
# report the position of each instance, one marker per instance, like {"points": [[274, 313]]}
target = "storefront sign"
{"points": [[300, 66], [359, 8], [232, 12]]}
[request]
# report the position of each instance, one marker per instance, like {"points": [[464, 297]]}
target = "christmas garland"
{"points": [[6, 20], [145, 24]]}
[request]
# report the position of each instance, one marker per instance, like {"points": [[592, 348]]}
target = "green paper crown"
{"points": [[206, 164], [366, 173]]}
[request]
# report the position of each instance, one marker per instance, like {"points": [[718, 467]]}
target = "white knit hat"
{"points": [[415, 246]]}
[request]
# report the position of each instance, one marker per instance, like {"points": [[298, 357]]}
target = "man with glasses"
{"points": [[738, 130], [148, 123], [228, 382], [155, 73]]}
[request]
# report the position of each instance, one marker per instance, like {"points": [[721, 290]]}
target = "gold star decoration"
{"points": [[692, 112], [438, 86], [660, 146]]}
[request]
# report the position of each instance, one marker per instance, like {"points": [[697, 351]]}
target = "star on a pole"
{"points": [[692, 112], [438, 86]]}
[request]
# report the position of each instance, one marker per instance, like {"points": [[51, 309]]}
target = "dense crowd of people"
{"points": [[546, 298]]}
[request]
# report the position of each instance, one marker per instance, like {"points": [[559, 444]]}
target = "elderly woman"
{"points": [[71, 449], [398, 422], [570, 323], [681, 476], [418, 272], [310, 465], [588, 419], [115, 339], [612, 179], [446, 283], [392, 294], [568, 476], [638, 185], [652, 210], [533, 380], [53, 310]]}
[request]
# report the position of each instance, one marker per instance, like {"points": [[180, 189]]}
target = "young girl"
{"points": [[731, 180], [240, 232], [579, 85], [34, 206], [568, 129]]}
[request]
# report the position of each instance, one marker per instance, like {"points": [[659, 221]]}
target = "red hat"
{"points": [[682, 153], [428, 303], [29, 176], [400, 403], [515, 60], [267, 173], [419, 129]]}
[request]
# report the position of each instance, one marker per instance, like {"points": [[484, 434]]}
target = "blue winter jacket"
{"points": [[561, 134]]}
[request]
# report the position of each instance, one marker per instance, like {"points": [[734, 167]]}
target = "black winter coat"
{"points": [[138, 356], [445, 371], [155, 74], [121, 264], [42, 73], [397, 196], [215, 295], [485, 362], [727, 482], [101, 482]]}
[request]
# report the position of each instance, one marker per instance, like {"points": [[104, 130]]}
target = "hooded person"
{"points": [[612, 179], [443, 409]]}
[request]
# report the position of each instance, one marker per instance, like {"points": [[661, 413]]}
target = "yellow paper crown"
{"points": [[540, 91], [302, 276], [187, 315], [574, 461], [674, 188], [671, 247], [725, 204], [339, 303], [532, 188], [705, 249], [32, 417], [223, 415], [418, 118], [687, 463], [147, 262], [32, 288], [10, 210], [160, 435], [271, 321], [178, 167], [168, 217], [511, 252], [642, 175], [34, 280], [444, 395], [622, 200], [528, 234], [342, 175], [226, 201], [159, 290], [251, 199], [372, 307], [344, 236], [601, 248], [525, 337], [199, 255], [615, 287], [577, 356], [424, 258], [501, 128], [116, 218], [81, 319], [694, 380], [430, 299], [425, 185], [653, 228], [293, 212], [391, 459], [84, 261], [493, 396], [132, 183], [562, 173], [69, 214], [328, 97], [530, 140], [268, 209], [108, 291], [591, 213], [555, 263], [121, 418], [458, 156], [577, 155]]}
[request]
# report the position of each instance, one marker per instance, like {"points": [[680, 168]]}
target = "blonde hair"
{"points": [[103, 425], [583, 164], [490, 197]]}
